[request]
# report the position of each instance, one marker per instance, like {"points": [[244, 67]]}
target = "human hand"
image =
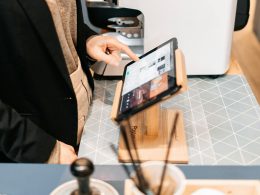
{"points": [[107, 49], [67, 154]]}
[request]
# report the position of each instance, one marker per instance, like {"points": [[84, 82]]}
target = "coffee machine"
{"points": [[204, 29], [124, 24]]}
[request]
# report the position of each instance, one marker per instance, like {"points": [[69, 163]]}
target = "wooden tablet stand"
{"points": [[151, 128]]}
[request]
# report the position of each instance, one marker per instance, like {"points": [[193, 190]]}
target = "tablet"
{"points": [[148, 80]]}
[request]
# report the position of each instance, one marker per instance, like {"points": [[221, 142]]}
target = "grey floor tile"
{"points": [[215, 90], [189, 136], [242, 141], [101, 158], [195, 97], [206, 160], [231, 85], [108, 152], [195, 160], [227, 161], [253, 114], [218, 100], [198, 109], [203, 144], [247, 100], [90, 141], [204, 85], [237, 126], [227, 101], [244, 119], [223, 90], [242, 89], [193, 143], [219, 134], [192, 152], [205, 136], [207, 96], [211, 107], [226, 126], [214, 141], [232, 114], [254, 101], [238, 79], [111, 137], [234, 95], [231, 140], [239, 107], [90, 156], [195, 104], [256, 125], [189, 128], [102, 143], [248, 157], [209, 152], [200, 129], [223, 148], [188, 115], [255, 162], [215, 119], [253, 148], [222, 113], [249, 133], [236, 156]]}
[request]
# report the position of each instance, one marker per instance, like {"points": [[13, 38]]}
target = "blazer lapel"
{"points": [[39, 14]]}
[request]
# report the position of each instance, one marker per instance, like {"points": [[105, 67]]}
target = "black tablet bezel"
{"points": [[156, 99]]}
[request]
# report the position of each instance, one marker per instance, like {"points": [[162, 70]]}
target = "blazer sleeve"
{"points": [[21, 140], [84, 32]]}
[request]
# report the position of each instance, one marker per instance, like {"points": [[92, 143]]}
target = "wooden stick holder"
{"points": [[151, 128]]}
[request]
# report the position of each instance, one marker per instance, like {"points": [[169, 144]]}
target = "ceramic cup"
{"points": [[174, 182]]}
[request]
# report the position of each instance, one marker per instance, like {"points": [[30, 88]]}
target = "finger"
{"points": [[117, 55], [129, 52], [108, 58], [124, 48]]}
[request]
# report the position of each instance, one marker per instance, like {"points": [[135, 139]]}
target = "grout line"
{"points": [[100, 122], [196, 137], [251, 162], [239, 149], [226, 157]]}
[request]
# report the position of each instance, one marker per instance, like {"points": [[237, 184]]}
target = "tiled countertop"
{"points": [[222, 122]]}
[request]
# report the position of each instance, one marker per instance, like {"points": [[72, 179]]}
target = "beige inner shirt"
{"points": [[64, 14]]}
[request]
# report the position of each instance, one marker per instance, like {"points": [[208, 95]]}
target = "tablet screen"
{"points": [[151, 77]]}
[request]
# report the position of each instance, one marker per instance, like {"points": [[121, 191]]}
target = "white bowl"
{"points": [[153, 169]]}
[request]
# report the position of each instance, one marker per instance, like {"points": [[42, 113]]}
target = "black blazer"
{"points": [[37, 101]]}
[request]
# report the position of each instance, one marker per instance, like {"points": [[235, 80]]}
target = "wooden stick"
{"points": [[144, 183], [122, 164], [139, 177], [168, 152]]}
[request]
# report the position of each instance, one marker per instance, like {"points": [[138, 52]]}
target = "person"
{"points": [[45, 84]]}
